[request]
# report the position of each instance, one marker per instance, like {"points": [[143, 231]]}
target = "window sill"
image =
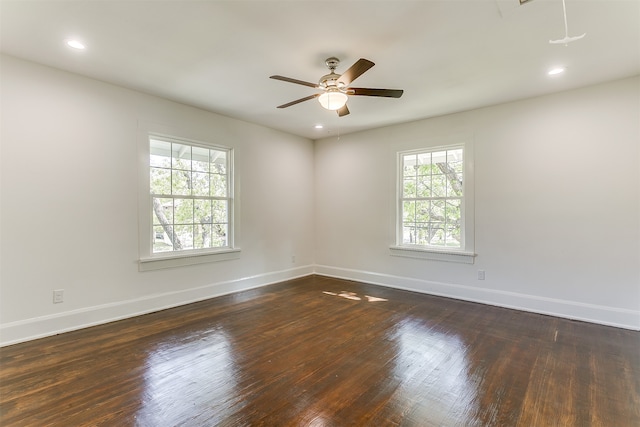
{"points": [[433, 254], [158, 262]]}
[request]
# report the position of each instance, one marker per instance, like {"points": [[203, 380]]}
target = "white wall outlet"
{"points": [[293, 259], [58, 296], [480, 274]]}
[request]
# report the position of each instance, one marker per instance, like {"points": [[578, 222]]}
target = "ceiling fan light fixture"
{"points": [[333, 99]]}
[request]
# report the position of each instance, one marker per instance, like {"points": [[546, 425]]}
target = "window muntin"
{"points": [[191, 196], [432, 198]]}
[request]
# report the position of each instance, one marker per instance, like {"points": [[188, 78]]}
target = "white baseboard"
{"points": [[39, 327], [609, 316]]}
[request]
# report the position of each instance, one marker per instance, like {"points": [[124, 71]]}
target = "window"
{"points": [[434, 205], [187, 199], [189, 186], [432, 194]]}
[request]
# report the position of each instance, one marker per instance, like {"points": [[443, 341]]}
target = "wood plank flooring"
{"points": [[318, 351]]}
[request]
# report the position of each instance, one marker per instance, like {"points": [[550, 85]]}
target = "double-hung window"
{"points": [[190, 199], [432, 195], [190, 195], [433, 205]]}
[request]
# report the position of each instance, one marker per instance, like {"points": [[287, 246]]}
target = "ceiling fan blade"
{"points": [[387, 93], [290, 80], [343, 111], [355, 71], [297, 101]]}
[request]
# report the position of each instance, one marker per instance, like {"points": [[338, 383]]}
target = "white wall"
{"points": [[556, 205], [556, 218], [69, 203]]}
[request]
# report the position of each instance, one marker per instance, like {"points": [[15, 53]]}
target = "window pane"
{"points": [[160, 181], [185, 234], [453, 236], [218, 185], [439, 157], [220, 211], [181, 156], [409, 188], [200, 159], [437, 232], [202, 237], [424, 186], [218, 160], [408, 234], [454, 184], [200, 182], [181, 183], [437, 210], [454, 156], [161, 242], [422, 235], [162, 211], [202, 211], [456, 167], [183, 211], [423, 211], [409, 165], [439, 185], [453, 210], [438, 168], [219, 235], [424, 164], [408, 211], [159, 153]]}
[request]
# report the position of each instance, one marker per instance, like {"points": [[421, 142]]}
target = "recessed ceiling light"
{"points": [[554, 71], [75, 44], [318, 126]]}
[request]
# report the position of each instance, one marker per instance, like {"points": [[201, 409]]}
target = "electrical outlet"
{"points": [[480, 274], [58, 296], [293, 259]]}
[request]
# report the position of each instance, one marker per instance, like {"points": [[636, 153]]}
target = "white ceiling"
{"points": [[448, 55]]}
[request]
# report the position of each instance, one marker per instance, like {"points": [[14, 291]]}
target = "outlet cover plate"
{"points": [[58, 296]]}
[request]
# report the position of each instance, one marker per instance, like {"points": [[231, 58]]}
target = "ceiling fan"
{"points": [[335, 87]]}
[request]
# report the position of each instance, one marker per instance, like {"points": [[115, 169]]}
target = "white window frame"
{"points": [[464, 254], [153, 261]]}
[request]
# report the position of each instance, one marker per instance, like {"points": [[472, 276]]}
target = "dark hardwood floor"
{"points": [[325, 352]]}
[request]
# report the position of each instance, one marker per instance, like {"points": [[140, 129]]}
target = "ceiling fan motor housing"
{"points": [[330, 81]]}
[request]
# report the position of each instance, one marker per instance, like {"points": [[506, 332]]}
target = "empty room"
{"points": [[320, 213]]}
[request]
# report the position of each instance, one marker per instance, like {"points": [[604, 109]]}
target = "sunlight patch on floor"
{"points": [[353, 296]]}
